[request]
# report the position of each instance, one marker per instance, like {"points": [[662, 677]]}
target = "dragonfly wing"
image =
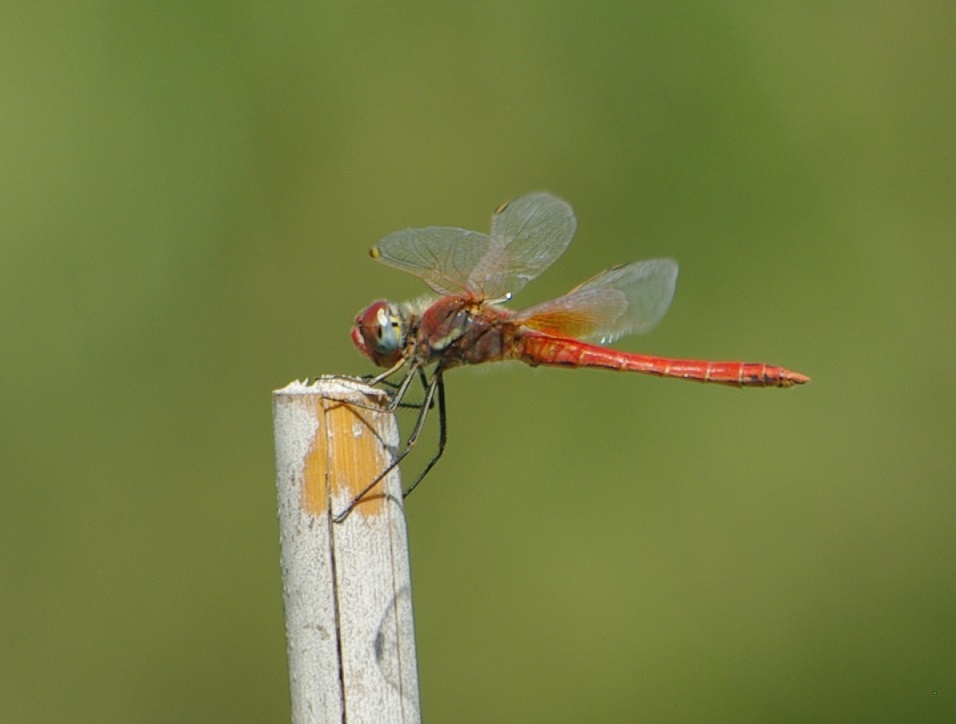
{"points": [[527, 235], [622, 300], [445, 257]]}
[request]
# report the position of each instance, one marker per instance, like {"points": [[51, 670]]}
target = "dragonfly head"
{"points": [[380, 333]]}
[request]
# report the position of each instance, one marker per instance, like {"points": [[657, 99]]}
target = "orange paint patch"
{"points": [[345, 456], [315, 487]]}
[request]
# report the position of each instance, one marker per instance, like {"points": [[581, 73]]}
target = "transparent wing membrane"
{"points": [[444, 257], [528, 234], [622, 300]]}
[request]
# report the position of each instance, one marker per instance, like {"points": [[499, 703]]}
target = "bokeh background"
{"points": [[188, 191]]}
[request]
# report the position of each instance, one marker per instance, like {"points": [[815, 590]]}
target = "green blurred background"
{"points": [[188, 193]]}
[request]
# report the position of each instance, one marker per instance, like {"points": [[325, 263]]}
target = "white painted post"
{"points": [[347, 586]]}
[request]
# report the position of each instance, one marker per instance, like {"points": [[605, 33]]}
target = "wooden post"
{"points": [[347, 586]]}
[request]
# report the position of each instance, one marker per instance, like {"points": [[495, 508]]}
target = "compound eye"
{"points": [[380, 332], [388, 330]]}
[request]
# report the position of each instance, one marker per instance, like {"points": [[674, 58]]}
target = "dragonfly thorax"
{"points": [[380, 333]]}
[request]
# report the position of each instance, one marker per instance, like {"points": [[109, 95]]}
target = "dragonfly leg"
{"points": [[426, 405], [396, 387], [358, 498], [442, 436], [389, 372], [401, 389]]}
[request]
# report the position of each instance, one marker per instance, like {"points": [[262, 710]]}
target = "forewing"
{"points": [[622, 300], [527, 235], [445, 257]]}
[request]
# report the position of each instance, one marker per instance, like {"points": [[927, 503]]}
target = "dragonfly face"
{"points": [[380, 333]]}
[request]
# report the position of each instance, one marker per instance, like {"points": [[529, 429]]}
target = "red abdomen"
{"points": [[541, 349]]}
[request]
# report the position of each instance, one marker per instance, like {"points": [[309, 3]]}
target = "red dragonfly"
{"points": [[476, 273]]}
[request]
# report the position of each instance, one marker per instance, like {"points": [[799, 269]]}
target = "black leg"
{"points": [[397, 387], [442, 436], [427, 403]]}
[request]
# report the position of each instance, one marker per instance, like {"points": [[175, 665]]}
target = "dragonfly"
{"points": [[475, 274]]}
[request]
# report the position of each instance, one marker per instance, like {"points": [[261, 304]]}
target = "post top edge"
{"points": [[330, 386]]}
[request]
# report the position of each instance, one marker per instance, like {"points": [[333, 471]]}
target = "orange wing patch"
{"points": [[564, 322]]}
